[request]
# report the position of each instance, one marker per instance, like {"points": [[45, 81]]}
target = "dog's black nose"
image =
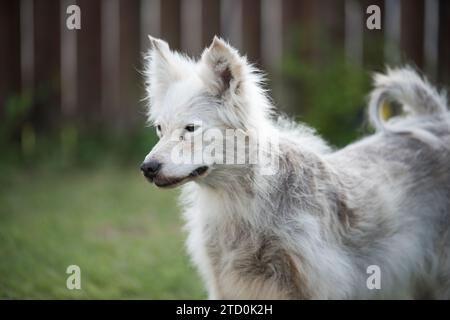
{"points": [[151, 168]]}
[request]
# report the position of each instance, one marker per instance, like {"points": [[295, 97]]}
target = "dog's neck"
{"points": [[244, 191]]}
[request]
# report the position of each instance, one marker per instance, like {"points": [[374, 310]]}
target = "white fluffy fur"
{"points": [[311, 230]]}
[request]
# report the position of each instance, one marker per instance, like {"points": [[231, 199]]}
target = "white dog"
{"points": [[314, 228]]}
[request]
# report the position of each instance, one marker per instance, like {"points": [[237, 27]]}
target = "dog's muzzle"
{"points": [[150, 169]]}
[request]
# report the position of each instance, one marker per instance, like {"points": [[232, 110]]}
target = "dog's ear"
{"points": [[161, 68], [223, 67]]}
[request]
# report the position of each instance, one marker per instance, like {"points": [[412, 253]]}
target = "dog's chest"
{"points": [[247, 264]]}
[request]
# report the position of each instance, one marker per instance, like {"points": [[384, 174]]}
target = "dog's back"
{"points": [[397, 183]]}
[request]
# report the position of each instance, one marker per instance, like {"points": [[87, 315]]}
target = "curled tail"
{"points": [[406, 87]]}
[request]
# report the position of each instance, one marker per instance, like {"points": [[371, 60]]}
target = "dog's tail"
{"points": [[406, 87]]}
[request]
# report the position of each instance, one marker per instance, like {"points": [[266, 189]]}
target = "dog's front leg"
{"points": [[213, 291]]}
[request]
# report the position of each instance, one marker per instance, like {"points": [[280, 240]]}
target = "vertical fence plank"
{"points": [[373, 54], [69, 67], [191, 26], [89, 62], [412, 30], [27, 45], [170, 22], [150, 21], [354, 31], [210, 20], [110, 61], [300, 38], [302, 28], [271, 34], [231, 22], [444, 43], [392, 31], [330, 24], [46, 61], [290, 14], [251, 29], [431, 38], [332, 17], [129, 63], [9, 51]]}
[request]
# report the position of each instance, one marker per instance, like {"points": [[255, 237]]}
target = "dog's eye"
{"points": [[190, 128], [158, 128]]}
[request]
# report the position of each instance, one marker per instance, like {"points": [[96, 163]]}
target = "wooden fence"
{"points": [[91, 75]]}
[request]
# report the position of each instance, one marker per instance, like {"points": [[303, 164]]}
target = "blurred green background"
{"points": [[72, 131]]}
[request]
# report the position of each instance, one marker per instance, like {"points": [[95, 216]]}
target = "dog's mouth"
{"points": [[168, 182], [200, 171]]}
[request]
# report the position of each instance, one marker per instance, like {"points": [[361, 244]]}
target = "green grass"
{"points": [[125, 235]]}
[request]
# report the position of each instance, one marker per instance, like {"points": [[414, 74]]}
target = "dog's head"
{"points": [[189, 98]]}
